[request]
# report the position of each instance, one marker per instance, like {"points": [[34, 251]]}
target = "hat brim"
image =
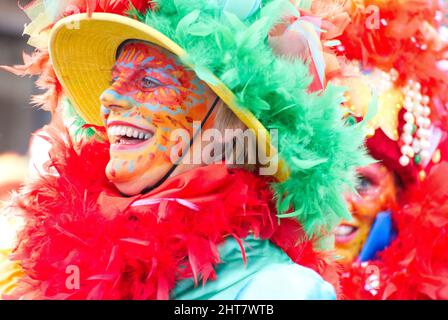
{"points": [[83, 51]]}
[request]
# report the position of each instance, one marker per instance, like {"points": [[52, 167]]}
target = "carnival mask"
{"points": [[376, 192], [151, 95]]}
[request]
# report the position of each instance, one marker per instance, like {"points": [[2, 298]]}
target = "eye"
{"points": [[365, 184], [149, 83], [114, 79]]}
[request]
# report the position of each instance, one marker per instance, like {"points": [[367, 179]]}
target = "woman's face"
{"points": [[151, 94], [377, 192]]}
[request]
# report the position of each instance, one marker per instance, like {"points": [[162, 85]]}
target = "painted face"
{"points": [[151, 94], [377, 192]]}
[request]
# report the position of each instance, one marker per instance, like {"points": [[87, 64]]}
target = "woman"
{"points": [[124, 214]]}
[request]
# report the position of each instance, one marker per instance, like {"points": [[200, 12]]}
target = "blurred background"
{"points": [[18, 118]]}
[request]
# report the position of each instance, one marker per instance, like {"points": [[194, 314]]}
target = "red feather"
{"points": [[38, 64], [77, 218]]}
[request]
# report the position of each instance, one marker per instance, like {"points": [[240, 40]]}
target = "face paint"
{"points": [[377, 192], [151, 94]]}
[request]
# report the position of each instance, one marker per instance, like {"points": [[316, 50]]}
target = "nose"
{"points": [[350, 206], [351, 200], [111, 99]]}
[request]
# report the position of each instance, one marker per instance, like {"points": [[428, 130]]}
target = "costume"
{"points": [[392, 247], [130, 224]]}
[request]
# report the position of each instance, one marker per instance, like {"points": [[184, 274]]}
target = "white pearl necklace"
{"points": [[416, 131]]}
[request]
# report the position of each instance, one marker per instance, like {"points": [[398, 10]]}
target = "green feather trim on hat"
{"points": [[320, 150]]}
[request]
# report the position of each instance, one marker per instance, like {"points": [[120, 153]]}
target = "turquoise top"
{"points": [[268, 274]]}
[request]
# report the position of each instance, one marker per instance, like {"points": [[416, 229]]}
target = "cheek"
{"points": [[361, 237], [389, 191], [382, 199], [368, 207], [168, 127], [167, 113]]}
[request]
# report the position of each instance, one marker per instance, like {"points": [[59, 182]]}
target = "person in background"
{"points": [[392, 248], [138, 224]]}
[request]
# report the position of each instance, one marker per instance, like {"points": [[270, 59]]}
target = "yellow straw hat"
{"points": [[83, 51]]}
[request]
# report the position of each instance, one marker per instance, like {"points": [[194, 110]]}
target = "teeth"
{"points": [[128, 132], [344, 230]]}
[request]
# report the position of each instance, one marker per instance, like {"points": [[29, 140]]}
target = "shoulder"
{"points": [[287, 281]]}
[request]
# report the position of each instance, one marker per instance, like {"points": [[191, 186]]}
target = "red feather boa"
{"points": [[38, 64], [76, 217], [415, 265]]}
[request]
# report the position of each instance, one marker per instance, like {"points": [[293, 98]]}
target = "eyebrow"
{"points": [[163, 74], [147, 69]]}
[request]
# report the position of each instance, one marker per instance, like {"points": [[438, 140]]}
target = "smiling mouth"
{"points": [[127, 136], [345, 232]]}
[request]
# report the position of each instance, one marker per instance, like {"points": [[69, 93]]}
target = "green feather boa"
{"points": [[321, 151]]}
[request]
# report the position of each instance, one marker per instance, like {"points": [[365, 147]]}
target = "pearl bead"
{"points": [[422, 133], [407, 138], [418, 97], [420, 121], [408, 128], [407, 99], [404, 160], [419, 109], [407, 150], [410, 94], [425, 99], [409, 118], [417, 86], [416, 146], [426, 111]]}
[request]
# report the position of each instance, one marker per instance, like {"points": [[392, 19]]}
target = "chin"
{"points": [[130, 188], [134, 185], [347, 256]]}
